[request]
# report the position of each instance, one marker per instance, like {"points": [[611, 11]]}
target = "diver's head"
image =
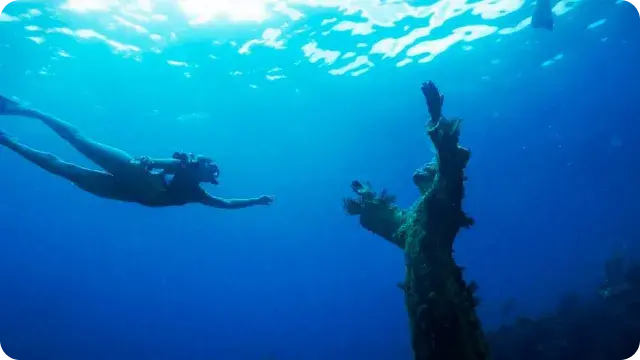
{"points": [[202, 168], [206, 169]]}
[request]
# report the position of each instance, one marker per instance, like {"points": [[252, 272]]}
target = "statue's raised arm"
{"points": [[441, 182]]}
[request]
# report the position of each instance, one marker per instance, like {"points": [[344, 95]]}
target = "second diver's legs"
{"points": [[543, 15], [112, 160], [97, 183]]}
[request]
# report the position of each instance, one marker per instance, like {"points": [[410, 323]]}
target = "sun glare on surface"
{"points": [[3, 3], [198, 11], [202, 11], [402, 31], [88, 5]]}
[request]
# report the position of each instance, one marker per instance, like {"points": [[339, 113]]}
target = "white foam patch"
{"points": [[596, 24], [36, 39], [4, 17], [270, 38], [177, 63]]}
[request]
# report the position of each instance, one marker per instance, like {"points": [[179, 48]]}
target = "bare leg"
{"points": [[98, 183], [112, 160]]}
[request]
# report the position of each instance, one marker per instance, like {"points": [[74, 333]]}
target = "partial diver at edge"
{"points": [[543, 15]]}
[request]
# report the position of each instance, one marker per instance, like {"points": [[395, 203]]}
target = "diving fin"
{"points": [[543, 16], [8, 106], [5, 138]]}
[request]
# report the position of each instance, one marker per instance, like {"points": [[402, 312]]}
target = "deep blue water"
{"points": [[552, 180]]}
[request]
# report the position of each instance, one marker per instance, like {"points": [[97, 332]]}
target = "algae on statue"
{"points": [[441, 306]]}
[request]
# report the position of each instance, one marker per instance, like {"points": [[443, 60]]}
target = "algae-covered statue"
{"points": [[441, 306]]}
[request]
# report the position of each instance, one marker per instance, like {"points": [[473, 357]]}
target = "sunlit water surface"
{"points": [[342, 37]]}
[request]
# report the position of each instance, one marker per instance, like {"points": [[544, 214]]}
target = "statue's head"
{"points": [[423, 177]]}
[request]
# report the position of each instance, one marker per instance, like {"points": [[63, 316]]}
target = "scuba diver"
{"points": [[542, 15], [140, 180]]}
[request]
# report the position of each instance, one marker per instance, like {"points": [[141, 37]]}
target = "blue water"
{"points": [[297, 99]]}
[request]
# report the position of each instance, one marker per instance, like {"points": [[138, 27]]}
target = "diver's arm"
{"points": [[232, 204]]}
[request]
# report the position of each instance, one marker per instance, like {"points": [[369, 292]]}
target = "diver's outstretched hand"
{"points": [[266, 200], [434, 100]]}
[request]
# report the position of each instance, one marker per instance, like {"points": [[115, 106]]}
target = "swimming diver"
{"points": [[542, 15], [139, 180]]}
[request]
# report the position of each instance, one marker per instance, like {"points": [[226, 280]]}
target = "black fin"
{"points": [[543, 15]]}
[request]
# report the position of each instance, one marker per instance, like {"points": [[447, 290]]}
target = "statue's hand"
{"points": [[377, 211], [364, 191], [434, 100], [357, 187], [355, 206]]}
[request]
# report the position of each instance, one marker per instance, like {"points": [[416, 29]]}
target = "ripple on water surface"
{"points": [[343, 37]]}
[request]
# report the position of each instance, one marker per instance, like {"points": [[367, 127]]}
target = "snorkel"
{"points": [[200, 167]]}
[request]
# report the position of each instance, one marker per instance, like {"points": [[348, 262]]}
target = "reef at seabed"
{"points": [[603, 326]]}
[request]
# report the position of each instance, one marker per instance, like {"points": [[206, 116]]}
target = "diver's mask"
{"points": [[209, 169], [205, 168]]}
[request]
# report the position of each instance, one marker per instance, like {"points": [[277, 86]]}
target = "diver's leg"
{"points": [[96, 182], [110, 159]]}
